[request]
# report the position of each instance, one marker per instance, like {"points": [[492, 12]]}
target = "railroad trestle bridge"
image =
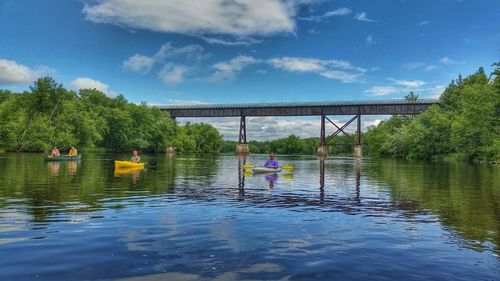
{"points": [[322, 109]]}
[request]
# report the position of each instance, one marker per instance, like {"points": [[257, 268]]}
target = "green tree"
{"points": [[466, 124], [411, 96]]}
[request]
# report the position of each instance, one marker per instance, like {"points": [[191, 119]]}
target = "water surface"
{"points": [[202, 218]]}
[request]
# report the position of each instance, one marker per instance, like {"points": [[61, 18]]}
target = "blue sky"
{"points": [[238, 51]]}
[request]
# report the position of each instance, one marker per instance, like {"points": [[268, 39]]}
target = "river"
{"points": [[202, 218]]}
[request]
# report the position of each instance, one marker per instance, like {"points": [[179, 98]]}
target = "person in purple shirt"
{"points": [[271, 163]]}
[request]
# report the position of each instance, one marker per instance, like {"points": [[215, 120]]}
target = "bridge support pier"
{"points": [[358, 152], [322, 151], [323, 147], [171, 151], [242, 146], [242, 149]]}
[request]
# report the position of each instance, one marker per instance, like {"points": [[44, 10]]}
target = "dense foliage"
{"points": [[341, 145], [465, 125], [49, 115], [198, 138]]}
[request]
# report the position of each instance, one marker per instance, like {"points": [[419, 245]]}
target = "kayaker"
{"points": [[55, 152], [73, 152], [135, 157], [271, 163]]}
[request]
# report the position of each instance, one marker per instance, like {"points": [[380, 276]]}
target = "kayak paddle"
{"points": [[285, 167]]}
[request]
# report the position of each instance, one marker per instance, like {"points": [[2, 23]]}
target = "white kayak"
{"points": [[266, 170]]}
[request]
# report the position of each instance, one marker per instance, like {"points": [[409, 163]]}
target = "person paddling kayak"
{"points": [[73, 152], [271, 163], [135, 157], [55, 152]]}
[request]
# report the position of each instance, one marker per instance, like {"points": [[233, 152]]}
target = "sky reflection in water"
{"points": [[202, 218]]}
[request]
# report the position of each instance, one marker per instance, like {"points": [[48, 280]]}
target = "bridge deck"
{"points": [[368, 107]]}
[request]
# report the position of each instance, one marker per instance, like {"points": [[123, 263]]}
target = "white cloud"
{"points": [[298, 64], [414, 65], [88, 83], [138, 63], [343, 76], [420, 65], [422, 23], [406, 83], [225, 71], [382, 90], [193, 17], [436, 91], [313, 31], [181, 101], [332, 69], [448, 61], [370, 40], [170, 74], [192, 52], [12, 72], [173, 75], [429, 67], [398, 86], [272, 127], [335, 13], [363, 17], [338, 12], [239, 42]]}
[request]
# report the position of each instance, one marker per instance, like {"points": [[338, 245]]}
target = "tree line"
{"points": [[340, 145], [49, 115], [465, 125]]}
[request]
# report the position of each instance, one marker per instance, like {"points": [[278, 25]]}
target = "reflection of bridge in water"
{"points": [[242, 160], [322, 109]]}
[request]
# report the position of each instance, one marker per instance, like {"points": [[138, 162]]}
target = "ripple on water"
{"points": [[195, 218]]}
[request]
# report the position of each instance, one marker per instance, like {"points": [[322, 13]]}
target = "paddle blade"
{"points": [[287, 167], [247, 166]]}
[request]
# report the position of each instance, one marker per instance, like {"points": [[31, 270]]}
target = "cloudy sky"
{"points": [[239, 51]]}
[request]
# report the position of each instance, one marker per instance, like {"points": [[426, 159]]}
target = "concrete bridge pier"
{"points": [[358, 152], [322, 151], [171, 151], [242, 146], [323, 147], [242, 149]]}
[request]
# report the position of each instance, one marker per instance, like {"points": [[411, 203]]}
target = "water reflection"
{"points": [[453, 192], [357, 168], [271, 179], [54, 167], [196, 217], [242, 161], [72, 167], [321, 179], [256, 270], [132, 173]]}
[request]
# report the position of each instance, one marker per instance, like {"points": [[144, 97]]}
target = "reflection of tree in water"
{"points": [[52, 188], [195, 173], [465, 197]]}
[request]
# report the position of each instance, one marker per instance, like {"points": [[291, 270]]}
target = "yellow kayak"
{"points": [[120, 172], [128, 165]]}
